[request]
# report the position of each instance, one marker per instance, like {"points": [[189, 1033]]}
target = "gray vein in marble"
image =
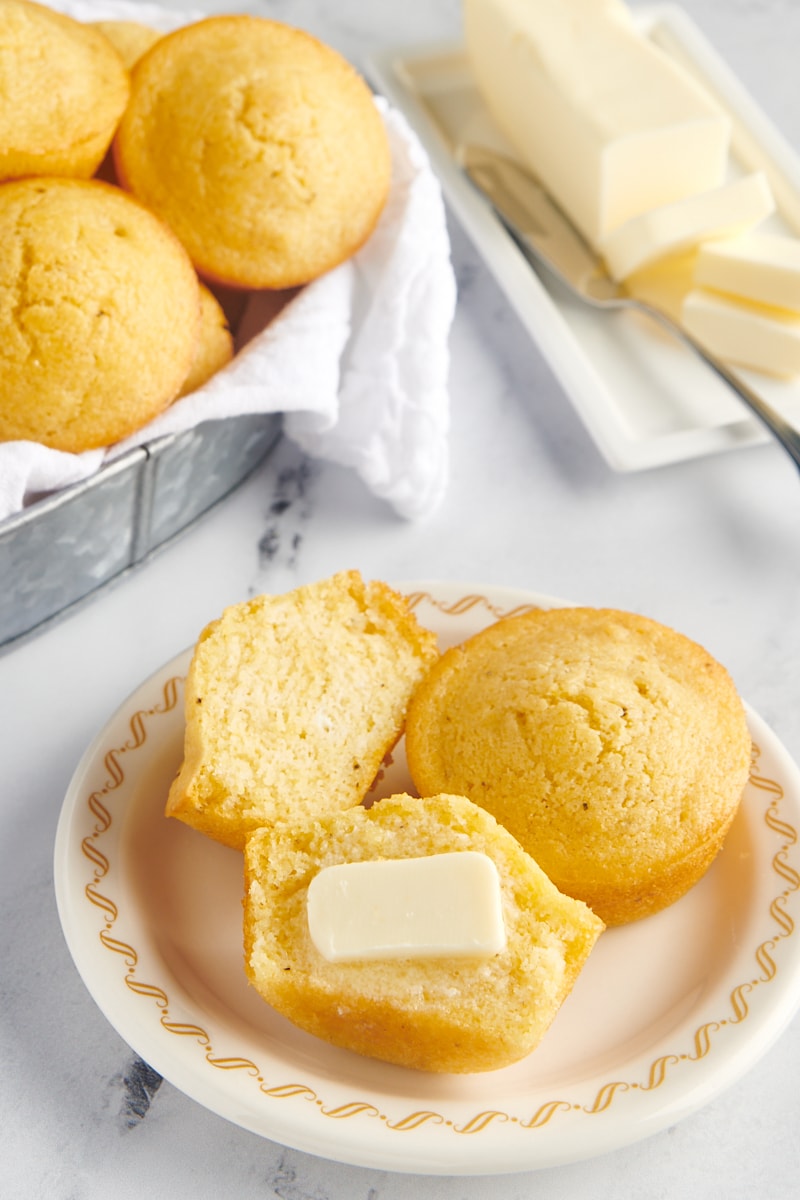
{"points": [[139, 1084], [285, 1185], [290, 507]]}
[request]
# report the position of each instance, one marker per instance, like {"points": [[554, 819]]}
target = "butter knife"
{"points": [[548, 239]]}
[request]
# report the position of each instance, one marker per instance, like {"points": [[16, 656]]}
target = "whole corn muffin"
{"points": [[260, 146], [613, 748], [214, 343], [99, 313], [63, 89], [129, 38]]}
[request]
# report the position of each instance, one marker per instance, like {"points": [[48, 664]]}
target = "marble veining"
{"points": [[290, 509], [139, 1085]]}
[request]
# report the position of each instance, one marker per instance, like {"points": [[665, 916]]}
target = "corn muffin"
{"points": [[613, 748], [64, 87], [448, 1014], [260, 146], [292, 702], [214, 343], [99, 313], [130, 39]]}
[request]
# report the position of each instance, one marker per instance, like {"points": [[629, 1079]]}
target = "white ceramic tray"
{"points": [[646, 400], [667, 1013]]}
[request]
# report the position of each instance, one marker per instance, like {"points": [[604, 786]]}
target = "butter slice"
{"points": [[611, 125], [444, 905], [749, 335], [758, 266], [665, 284], [722, 212]]}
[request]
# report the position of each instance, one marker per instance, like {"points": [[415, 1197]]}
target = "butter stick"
{"points": [[605, 118]]}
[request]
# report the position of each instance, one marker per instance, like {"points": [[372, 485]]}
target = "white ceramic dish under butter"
{"points": [[667, 1013], [644, 398]]}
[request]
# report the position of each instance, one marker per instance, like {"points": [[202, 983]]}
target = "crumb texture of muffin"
{"points": [[292, 702], [99, 313], [63, 89], [259, 145], [442, 1015], [614, 749]]}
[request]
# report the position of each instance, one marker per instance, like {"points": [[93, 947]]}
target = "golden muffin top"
{"points": [[614, 748], [259, 145], [63, 89], [99, 313]]}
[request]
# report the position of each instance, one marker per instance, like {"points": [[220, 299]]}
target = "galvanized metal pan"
{"points": [[62, 548]]}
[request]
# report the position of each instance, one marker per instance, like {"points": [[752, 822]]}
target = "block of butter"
{"points": [[749, 335], [764, 267], [722, 212], [610, 124], [440, 906]]}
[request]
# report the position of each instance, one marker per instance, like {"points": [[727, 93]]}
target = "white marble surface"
{"points": [[711, 547]]}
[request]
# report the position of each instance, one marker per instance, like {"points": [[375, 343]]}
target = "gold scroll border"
{"points": [[660, 1068]]}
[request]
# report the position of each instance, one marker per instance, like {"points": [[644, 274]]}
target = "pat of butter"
{"points": [[722, 212], [610, 124], [758, 266], [666, 283], [444, 905], [749, 335]]}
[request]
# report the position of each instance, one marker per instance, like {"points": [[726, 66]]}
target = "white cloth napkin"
{"points": [[357, 361]]}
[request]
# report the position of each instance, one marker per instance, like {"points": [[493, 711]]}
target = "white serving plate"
{"points": [[644, 398], [667, 1013]]}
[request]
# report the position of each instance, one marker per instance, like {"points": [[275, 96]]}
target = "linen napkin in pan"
{"points": [[356, 361]]}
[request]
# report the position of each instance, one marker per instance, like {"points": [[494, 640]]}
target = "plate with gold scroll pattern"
{"points": [[667, 1013]]}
